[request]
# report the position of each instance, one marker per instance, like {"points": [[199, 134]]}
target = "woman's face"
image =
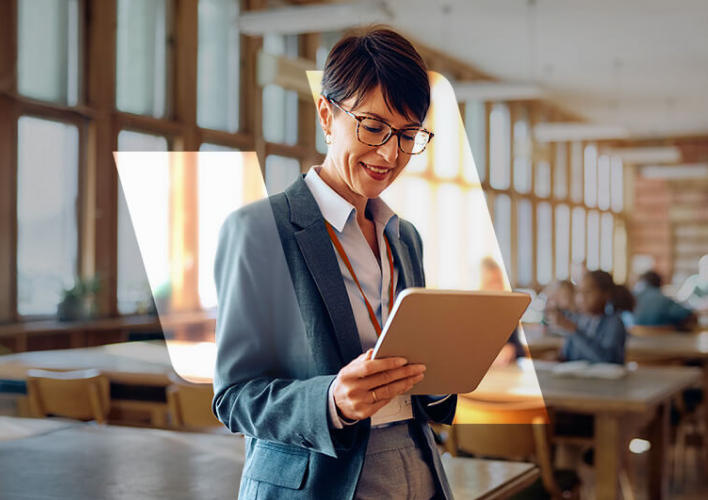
{"points": [[589, 298], [354, 169]]}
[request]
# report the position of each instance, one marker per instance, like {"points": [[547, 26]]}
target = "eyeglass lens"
{"points": [[375, 133]]}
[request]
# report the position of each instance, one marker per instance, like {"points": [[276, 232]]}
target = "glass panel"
{"points": [[524, 242], [279, 115], [578, 235], [522, 154], [446, 123], [142, 57], [502, 228], [593, 259], [150, 184], [475, 126], [617, 185], [48, 49], [220, 193], [576, 172], [481, 240], [590, 158], [218, 65], [562, 242], [544, 239], [499, 146], [606, 249], [603, 180], [542, 185], [560, 168], [449, 237], [620, 250], [47, 192], [280, 172]]}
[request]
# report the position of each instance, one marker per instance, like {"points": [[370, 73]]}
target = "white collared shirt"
{"points": [[373, 273]]}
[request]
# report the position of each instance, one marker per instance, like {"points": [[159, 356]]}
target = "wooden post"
{"points": [[100, 179], [8, 161]]}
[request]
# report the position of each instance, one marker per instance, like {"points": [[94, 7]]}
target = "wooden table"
{"points": [[138, 371], [18, 428], [644, 395], [115, 463], [679, 346]]}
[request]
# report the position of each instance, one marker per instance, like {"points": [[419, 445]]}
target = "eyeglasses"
{"points": [[375, 132]]}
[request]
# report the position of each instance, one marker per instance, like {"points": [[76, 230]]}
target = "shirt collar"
{"points": [[337, 211]]}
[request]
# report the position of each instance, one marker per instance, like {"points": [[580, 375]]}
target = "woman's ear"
{"points": [[324, 114]]}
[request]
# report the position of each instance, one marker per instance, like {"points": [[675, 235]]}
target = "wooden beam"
{"points": [[100, 178], [185, 70], [8, 162]]}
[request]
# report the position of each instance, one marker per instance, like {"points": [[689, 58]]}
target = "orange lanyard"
{"points": [[343, 255]]}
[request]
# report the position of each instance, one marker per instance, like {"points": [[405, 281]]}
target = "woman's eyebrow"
{"points": [[379, 117]]}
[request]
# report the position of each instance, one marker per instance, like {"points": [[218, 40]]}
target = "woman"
{"points": [[305, 280]]}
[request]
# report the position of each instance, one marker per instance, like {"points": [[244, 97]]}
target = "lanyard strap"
{"points": [[343, 255]]}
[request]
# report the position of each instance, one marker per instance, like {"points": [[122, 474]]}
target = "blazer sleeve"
{"points": [[428, 408], [251, 395]]}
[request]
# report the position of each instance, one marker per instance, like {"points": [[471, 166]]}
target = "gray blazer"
{"points": [[284, 329]]}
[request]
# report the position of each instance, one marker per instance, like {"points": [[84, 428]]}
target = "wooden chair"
{"points": [[190, 404], [509, 438], [651, 331], [79, 394]]}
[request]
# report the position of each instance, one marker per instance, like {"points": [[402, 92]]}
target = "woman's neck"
{"points": [[328, 174]]}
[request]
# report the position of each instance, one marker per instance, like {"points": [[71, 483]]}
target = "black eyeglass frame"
{"points": [[394, 131]]}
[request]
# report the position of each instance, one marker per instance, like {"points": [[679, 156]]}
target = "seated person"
{"points": [[559, 295], [656, 309], [592, 334], [492, 280]]}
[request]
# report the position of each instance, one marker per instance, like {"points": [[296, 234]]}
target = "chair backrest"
{"points": [[651, 331], [190, 404], [79, 394], [508, 437]]}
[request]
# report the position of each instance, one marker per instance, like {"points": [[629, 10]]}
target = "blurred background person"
{"points": [[592, 334], [653, 308]]}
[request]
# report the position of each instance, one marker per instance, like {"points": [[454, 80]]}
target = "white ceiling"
{"points": [[642, 64]]}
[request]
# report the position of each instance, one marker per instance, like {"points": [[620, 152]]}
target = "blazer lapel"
{"points": [[321, 261], [402, 258]]}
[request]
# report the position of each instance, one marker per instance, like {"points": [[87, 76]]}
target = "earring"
{"points": [[328, 139]]}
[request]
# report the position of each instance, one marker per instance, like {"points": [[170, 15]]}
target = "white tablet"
{"points": [[456, 334]]}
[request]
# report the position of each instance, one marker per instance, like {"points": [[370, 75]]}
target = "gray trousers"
{"points": [[395, 466]]}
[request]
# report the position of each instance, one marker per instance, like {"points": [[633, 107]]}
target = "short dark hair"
{"points": [[378, 56], [651, 278]]}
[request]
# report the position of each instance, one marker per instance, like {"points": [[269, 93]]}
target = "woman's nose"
{"points": [[389, 150]]}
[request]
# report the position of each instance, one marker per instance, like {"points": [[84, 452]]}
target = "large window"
{"points": [[522, 152], [280, 105], [476, 128], [219, 65], [48, 50], [499, 146], [141, 75], [143, 221], [47, 190]]}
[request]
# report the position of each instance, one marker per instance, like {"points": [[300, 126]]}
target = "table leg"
{"points": [[659, 436], [705, 411], [607, 455]]}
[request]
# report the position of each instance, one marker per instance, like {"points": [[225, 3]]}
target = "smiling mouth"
{"points": [[376, 169]]}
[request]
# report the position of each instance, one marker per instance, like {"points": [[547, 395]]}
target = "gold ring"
{"points": [[375, 398]]}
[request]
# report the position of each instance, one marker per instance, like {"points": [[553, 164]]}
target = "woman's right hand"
{"points": [[364, 386]]}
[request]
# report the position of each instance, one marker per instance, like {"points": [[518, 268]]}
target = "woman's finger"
{"points": [[390, 391]]}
